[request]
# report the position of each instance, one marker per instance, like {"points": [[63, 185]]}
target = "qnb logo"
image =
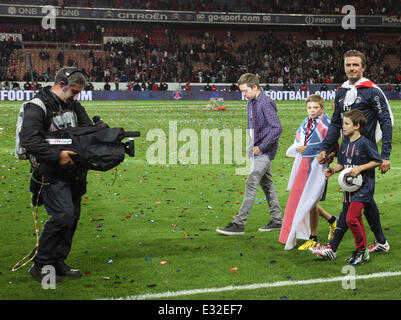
{"points": [[349, 21], [12, 10]]}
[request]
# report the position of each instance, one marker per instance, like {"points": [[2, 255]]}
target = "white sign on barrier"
{"points": [[6, 36], [25, 95], [299, 95], [319, 43], [124, 40]]}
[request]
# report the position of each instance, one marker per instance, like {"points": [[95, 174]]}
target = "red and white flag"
{"points": [[307, 183]]}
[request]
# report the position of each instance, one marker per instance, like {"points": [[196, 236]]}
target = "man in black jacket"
{"points": [[56, 181]]}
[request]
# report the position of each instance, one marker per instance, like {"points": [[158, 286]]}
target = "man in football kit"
{"points": [[362, 94]]}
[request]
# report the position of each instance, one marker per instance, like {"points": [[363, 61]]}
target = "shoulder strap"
{"points": [[39, 103], [20, 152]]}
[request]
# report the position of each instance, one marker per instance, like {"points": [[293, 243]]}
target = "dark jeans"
{"points": [[62, 201]]}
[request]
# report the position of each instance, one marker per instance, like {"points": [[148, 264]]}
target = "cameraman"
{"points": [[56, 182]]}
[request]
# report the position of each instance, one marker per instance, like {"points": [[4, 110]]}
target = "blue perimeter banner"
{"points": [[277, 95], [169, 16]]}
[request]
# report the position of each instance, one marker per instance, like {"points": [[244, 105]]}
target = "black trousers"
{"points": [[62, 201]]}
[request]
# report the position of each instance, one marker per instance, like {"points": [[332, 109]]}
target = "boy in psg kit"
{"points": [[360, 154]]}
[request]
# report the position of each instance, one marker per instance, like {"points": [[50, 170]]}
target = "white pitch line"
{"points": [[170, 294]]}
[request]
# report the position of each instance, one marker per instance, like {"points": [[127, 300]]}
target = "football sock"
{"points": [[331, 220]]}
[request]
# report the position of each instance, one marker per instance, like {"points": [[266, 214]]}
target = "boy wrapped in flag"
{"points": [[307, 181]]}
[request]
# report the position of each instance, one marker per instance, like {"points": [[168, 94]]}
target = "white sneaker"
{"points": [[325, 252], [378, 247]]}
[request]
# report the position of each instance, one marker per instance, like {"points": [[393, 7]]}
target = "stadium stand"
{"points": [[176, 53]]}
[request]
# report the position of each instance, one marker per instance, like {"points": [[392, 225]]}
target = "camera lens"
{"points": [[129, 147]]}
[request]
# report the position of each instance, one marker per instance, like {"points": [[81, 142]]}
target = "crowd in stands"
{"points": [[276, 60], [204, 56], [209, 59], [66, 32], [293, 61], [7, 47]]}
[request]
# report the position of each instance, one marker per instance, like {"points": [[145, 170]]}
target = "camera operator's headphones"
{"points": [[69, 74]]}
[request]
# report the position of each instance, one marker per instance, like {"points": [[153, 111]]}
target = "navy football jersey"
{"points": [[373, 103], [356, 153]]}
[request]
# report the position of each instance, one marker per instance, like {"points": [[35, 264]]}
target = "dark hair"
{"points": [[70, 76], [356, 53], [249, 79], [357, 117]]}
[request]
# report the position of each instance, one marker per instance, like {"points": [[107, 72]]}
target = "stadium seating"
{"points": [[178, 54]]}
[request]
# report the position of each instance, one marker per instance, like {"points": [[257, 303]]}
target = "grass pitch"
{"points": [[150, 228]]}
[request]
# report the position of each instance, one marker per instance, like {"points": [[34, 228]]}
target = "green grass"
{"points": [[156, 213]]}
